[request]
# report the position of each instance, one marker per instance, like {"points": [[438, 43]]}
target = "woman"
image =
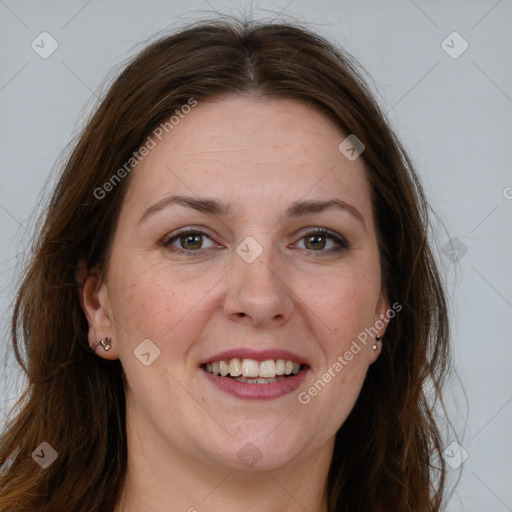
{"points": [[232, 303]]}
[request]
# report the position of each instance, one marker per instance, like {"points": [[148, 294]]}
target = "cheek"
{"points": [[158, 303], [344, 301]]}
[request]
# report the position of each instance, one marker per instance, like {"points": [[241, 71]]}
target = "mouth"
{"points": [[251, 371], [254, 379]]}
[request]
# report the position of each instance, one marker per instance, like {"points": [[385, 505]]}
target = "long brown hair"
{"points": [[387, 453]]}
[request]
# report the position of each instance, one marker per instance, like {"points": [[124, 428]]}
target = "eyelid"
{"points": [[337, 238], [192, 230]]}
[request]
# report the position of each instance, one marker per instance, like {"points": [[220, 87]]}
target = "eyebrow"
{"points": [[203, 205], [218, 208], [300, 208]]}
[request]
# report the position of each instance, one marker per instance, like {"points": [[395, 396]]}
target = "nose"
{"points": [[258, 294]]}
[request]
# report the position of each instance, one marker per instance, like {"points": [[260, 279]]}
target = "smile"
{"points": [[252, 379], [244, 368]]}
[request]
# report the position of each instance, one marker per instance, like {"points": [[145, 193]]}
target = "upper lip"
{"points": [[258, 355]]}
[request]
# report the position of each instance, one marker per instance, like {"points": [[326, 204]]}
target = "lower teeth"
{"points": [[258, 380]]}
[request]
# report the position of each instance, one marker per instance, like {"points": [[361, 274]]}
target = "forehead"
{"points": [[237, 148]]}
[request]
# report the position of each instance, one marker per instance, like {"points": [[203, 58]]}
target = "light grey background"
{"points": [[453, 114]]}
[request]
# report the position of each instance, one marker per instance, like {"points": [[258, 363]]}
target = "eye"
{"points": [[187, 240], [321, 238], [190, 240]]}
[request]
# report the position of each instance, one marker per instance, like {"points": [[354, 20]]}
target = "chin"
{"points": [[261, 452]]}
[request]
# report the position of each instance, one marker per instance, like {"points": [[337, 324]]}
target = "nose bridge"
{"points": [[258, 287]]}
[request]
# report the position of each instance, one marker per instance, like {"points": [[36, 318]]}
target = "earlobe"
{"points": [[93, 296]]}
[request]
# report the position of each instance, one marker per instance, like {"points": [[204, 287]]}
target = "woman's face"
{"points": [[218, 256]]}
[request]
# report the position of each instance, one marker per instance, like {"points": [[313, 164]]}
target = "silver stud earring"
{"points": [[105, 343], [377, 338]]}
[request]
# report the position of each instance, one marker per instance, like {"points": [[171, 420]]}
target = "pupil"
{"points": [[318, 241], [191, 241]]}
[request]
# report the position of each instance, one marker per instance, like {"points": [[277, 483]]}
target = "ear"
{"points": [[380, 323], [93, 295], [382, 314]]}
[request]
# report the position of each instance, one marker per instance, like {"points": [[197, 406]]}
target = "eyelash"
{"points": [[321, 232]]}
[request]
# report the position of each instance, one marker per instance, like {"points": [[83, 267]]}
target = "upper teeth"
{"points": [[252, 368]]}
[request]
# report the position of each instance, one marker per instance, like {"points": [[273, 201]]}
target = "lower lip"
{"points": [[257, 391]]}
